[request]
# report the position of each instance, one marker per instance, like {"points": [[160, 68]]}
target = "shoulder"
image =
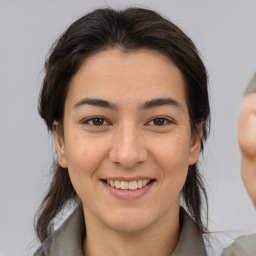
{"points": [[251, 87], [44, 249], [67, 239], [190, 241], [243, 245], [40, 252]]}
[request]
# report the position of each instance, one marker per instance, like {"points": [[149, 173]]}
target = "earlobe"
{"points": [[195, 145], [59, 144]]}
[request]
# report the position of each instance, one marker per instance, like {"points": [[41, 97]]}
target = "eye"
{"points": [[96, 121], [159, 121]]}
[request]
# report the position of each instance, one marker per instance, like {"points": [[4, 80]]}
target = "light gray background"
{"points": [[224, 32]]}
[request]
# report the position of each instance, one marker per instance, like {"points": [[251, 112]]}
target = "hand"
{"points": [[247, 144], [247, 127]]}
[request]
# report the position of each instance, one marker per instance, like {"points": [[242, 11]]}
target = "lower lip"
{"points": [[126, 194]]}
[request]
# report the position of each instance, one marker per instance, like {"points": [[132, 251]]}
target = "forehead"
{"points": [[118, 76]]}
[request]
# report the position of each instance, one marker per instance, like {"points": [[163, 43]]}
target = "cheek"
{"points": [[172, 150], [172, 156], [83, 153], [84, 158]]}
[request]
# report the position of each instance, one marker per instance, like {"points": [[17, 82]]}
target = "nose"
{"points": [[128, 149]]}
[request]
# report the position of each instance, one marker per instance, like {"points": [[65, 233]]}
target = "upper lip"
{"points": [[129, 178]]}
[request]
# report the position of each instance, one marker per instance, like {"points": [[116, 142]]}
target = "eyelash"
{"points": [[91, 120], [163, 121]]}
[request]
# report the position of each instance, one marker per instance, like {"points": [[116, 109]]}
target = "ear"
{"points": [[59, 144], [195, 145]]}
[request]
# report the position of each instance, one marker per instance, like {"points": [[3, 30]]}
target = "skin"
{"points": [[128, 141], [247, 143]]}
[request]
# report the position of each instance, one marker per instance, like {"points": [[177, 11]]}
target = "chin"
{"points": [[127, 227], [130, 222]]}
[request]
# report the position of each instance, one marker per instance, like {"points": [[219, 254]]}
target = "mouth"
{"points": [[128, 189], [128, 185]]}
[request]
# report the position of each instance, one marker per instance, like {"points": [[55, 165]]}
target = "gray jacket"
{"points": [[242, 246], [68, 239], [252, 85]]}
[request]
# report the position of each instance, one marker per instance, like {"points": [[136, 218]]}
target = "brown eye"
{"points": [[159, 121], [96, 121]]}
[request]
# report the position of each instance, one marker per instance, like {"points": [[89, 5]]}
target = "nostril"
{"points": [[127, 153]]}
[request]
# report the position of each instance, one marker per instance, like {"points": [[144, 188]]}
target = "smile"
{"points": [[125, 185], [130, 189]]}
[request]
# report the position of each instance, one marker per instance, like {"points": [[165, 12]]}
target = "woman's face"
{"points": [[127, 140]]}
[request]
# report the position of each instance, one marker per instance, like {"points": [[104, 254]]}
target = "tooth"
{"points": [[144, 183], [133, 185], [117, 184], [124, 185]]}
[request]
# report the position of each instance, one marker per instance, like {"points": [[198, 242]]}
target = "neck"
{"points": [[160, 239]]}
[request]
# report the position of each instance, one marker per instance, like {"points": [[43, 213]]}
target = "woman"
{"points": [[125, 96]]}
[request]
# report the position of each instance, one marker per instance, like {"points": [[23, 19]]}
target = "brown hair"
{"points": [[128, 30]]}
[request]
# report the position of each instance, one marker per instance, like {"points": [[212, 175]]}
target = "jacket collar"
{"points": [[190, 241], [68, 239]]}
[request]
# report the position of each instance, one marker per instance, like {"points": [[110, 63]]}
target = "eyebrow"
{"points": [[161, 102], [95, 102], [146, 105]]}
